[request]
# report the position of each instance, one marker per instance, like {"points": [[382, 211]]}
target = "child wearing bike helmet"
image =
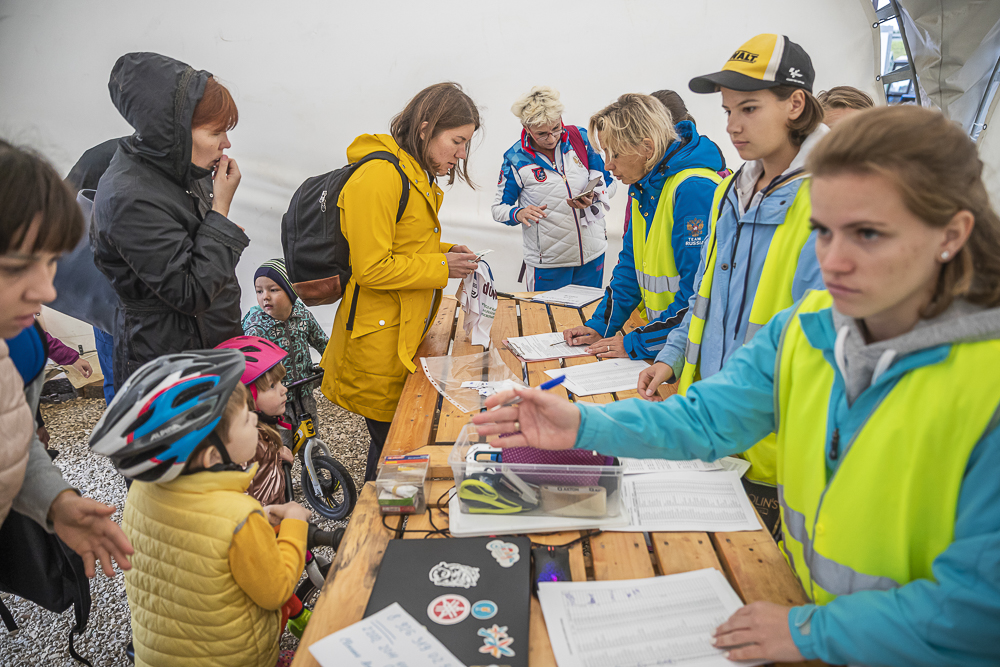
{"points": [[263, 375], [210, 577]]}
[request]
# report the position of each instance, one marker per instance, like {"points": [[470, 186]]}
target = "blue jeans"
{"points": [[590, 274], [105, 343]]}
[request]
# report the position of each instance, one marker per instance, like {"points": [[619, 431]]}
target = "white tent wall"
{"points": [[309, 76]]}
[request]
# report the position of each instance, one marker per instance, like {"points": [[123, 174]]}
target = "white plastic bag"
{"points": [[479, 303]]}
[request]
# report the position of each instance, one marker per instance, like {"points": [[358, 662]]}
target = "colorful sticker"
{"points": [[506, 553], [496, 642], [484, 609], [448, 609], [454, 574]]}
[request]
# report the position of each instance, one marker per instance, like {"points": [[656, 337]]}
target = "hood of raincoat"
{"points": [[157, 96]]}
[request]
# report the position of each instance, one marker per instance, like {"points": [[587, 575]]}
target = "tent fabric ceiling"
{"points": [[955, 46]]}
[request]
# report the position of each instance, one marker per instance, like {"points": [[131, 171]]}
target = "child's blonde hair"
{"points": [[237, 399]]}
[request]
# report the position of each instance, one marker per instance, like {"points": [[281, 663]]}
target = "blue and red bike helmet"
{"points": [[165, 410]]}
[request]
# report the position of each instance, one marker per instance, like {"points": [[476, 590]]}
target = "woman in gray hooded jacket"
{"points": [[161, 232]]}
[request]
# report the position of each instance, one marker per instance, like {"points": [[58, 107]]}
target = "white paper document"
{"points": [[542, 347], [482, 525], [601, 378], [574, 296], [639, 466], [390, 638], [688, 501], [637, 622]]}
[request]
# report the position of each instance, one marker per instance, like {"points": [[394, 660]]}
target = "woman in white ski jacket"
{"points": [[542, 178]]}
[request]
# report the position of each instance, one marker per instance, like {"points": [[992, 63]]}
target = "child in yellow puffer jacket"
{"points": [[209, 577]]}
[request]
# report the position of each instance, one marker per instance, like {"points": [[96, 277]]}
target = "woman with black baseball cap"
{"points": [[760, 255]]}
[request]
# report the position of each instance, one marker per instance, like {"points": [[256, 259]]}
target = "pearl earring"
{"points": [[945, 255]]}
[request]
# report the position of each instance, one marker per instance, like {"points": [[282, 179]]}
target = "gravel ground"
{"points": [[42, 639]]}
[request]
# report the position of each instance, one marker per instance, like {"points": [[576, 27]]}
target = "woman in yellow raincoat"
{"points": [[398, 268]]}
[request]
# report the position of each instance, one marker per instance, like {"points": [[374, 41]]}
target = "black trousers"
{"points": [[378, 431]]}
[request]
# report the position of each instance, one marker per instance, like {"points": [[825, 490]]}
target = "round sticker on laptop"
{"points": [[484, 609], [448, 609]]}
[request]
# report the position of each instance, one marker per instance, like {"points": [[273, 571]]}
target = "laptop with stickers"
{"points": [[473, 594]]}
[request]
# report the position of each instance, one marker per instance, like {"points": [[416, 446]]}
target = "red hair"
{"points": [[216, 109]]}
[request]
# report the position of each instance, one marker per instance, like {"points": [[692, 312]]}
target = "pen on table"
{"points": [[545, 386], [507, 295]]}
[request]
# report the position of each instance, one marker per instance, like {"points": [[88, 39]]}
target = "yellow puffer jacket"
{"points": [[187, 610], [399, 269]]}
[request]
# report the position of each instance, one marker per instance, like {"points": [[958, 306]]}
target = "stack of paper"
{"points": [[688, 501], [574, 296], [542, 347], [639, 466], [655, 621], [601, 378]]}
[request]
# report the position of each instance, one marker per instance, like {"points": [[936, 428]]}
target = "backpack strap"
{"points": [[579, 146], [403, 200]]}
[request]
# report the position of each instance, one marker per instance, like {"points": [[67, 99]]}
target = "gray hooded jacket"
{"points": [[170, 258]]}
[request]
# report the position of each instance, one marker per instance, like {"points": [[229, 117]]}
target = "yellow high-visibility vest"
{"points": [[774, 294], [653, 253], [889, 509]]}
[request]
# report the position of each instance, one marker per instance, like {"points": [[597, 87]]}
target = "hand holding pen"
{"points": [[531, 418]]}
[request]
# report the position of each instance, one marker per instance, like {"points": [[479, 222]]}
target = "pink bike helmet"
{"points": [[261, 355]]}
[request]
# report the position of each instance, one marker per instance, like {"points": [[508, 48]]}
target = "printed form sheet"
{"points": [[639, 466], [542, 347], [639, 622], [601, 378], [574, 296], [688, 501], [390, 638]]}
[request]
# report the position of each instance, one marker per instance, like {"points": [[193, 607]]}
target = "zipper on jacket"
{"points": [[579, 233], [835, 444]]}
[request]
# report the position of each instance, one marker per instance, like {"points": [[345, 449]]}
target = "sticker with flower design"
{"points": [[496, 642]]}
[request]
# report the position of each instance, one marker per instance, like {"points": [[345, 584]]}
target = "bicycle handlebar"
{"points": [[324, 538], [317, 375]]}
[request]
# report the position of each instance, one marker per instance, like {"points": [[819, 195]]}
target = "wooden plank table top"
{"points": [[425, 423]]}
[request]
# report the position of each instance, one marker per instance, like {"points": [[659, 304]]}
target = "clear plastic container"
{"points": [[485, 484], [402, 485]]}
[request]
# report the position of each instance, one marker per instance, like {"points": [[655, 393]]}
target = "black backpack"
{"points": [[317, 257]]}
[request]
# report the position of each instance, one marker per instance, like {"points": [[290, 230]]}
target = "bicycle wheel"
{"points": [[339, 495], [307, 592]]}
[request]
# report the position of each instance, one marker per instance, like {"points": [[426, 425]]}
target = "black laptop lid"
{"points": [[472, 593]]}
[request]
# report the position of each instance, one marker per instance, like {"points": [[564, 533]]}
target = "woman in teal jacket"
{"points": [[890, 504]]}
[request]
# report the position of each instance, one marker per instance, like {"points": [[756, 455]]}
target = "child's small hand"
{"points": [[286, 454], [289, 511]]}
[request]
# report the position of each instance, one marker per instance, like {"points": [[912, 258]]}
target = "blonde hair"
{"points": [[845, 97], [240, 398], [937, 172], [539, 107], [627, 121]]}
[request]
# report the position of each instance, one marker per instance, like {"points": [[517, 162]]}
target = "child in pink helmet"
{"points": [[263, 375]]}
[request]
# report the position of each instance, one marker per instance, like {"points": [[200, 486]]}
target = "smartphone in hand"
{"points": [[591, 186]]}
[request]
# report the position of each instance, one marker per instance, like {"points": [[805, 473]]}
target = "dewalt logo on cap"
{"points": [[744, 56]]}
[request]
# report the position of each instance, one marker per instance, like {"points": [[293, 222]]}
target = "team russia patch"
{"points": [[695, 230], [539, 174]]}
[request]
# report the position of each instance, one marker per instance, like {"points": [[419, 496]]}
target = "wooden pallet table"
{"points": [[426, 424]]}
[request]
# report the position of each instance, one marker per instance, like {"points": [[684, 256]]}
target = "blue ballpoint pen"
{"points": [[545, 386]]}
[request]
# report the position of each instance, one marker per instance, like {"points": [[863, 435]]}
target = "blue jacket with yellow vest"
{"points": [[909, 572], [692, 206]]}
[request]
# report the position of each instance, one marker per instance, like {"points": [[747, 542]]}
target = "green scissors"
{"points": [[481, 496]]}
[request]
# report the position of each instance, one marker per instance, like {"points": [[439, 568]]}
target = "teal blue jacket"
{"points": [[954, 620]]}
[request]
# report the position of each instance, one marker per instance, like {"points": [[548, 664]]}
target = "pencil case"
{"points": [[566, 457]]}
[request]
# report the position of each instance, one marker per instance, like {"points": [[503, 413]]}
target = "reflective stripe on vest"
{"points": [[889, 509], [653, 252], [773, 294]]}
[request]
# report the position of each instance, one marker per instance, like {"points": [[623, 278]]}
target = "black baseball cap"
{"points": [[765, 61]]}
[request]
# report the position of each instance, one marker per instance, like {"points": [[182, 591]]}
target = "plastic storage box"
{"points": [[485, 484], [402, 484]]}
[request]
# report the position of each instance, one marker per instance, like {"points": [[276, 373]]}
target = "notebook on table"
{"points": [[473, 594]]}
